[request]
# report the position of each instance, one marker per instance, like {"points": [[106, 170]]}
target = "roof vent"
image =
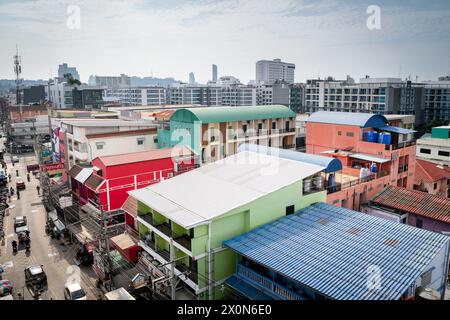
{"points": [[391, 242]]}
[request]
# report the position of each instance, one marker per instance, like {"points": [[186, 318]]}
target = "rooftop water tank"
{"points": [[372, 136], [384, 138]]}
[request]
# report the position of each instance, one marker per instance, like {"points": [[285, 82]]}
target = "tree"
{"points": [[70, 79]]}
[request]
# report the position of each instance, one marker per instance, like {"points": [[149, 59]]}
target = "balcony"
{"points": [[183, 240], [268, 285]]}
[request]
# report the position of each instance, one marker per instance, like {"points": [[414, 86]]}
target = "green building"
{"points": [[185, 219], [217, 132]]}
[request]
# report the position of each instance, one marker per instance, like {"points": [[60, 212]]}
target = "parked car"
{"points": [[20, 184], [19, 221], [73, 291], [36, 279], [15, 159]]}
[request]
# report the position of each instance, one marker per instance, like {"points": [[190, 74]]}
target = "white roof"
{"points": [[201, 195], [84, 174], [119, 294]]}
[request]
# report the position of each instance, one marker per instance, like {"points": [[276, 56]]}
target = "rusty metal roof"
{"points": [[94, 182], [416, 202]]}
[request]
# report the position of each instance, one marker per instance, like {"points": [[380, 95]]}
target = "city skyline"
{"points": [[325, 38]]}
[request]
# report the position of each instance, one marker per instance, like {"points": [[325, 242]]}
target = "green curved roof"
{"points": [[225, 114]]}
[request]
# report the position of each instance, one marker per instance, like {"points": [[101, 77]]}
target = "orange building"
{"points": [[373, 154]]}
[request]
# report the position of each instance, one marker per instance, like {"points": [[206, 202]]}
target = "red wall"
{"points": [[122, 178]]}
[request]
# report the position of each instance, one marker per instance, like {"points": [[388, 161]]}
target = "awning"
{"points": [[123, 241], [396, 130], [84, 174], [130, 206], [246, 289], [368, 157], [94, 182]]}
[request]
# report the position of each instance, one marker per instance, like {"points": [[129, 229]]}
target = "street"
{"points": [[55, 256]]}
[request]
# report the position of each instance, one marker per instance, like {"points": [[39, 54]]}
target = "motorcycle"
{"points": [[27, 246], [28, 177], [14, 246], [11, 191]]}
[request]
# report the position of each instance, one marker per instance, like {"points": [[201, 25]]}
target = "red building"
{"points": [[104, 186], [373, 154]]}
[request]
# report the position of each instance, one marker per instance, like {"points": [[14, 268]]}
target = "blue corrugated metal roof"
{"points": [[396, 129], [363, 120], [331, 164], [329, 249]]}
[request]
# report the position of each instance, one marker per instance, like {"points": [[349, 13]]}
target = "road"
{"points": [[55, 256]]}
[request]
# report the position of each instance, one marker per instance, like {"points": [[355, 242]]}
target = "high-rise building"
{"points": [[269, 71], [214, 73], [191, 78], [110, 82], [65, 69]]}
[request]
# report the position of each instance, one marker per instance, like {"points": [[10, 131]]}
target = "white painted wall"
{"points": [[120, 144]]}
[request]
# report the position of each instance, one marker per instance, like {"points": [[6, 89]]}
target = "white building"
{"points": [[142, 96], [86, 139], [110, 81], [269, 71], [435, 147]]}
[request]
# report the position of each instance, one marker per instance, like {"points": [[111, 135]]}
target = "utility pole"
{"points": [[172, 272]]}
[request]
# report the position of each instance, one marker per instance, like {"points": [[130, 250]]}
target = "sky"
{"points": [[167, 38]]}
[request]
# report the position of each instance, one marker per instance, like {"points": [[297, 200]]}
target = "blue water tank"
{"points": [[374, 168], [385, 138], [371, 136]]}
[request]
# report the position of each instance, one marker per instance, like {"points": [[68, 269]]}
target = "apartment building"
{"points": [[86, 139], [373, 154], [437, 102], [186, 219], [65, 96], [216, 132], [435, 147], [269, 71], [110, 81], [137, 95]]}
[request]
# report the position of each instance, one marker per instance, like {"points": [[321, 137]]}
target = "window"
{"points": [[427, 151], [349, 134], [339, 133], [419, 223], [274, 125], [140, 141], [444, 153], [290, 210], [100, 145], [435, 186]]}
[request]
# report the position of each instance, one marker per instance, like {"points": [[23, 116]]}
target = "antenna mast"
{"points": [[18, 72]]}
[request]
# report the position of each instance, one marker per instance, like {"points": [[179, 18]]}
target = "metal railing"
{"points": [[399, 145], [263, 281]]}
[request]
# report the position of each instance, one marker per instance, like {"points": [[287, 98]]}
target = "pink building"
{"points": [[373, 154]]}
